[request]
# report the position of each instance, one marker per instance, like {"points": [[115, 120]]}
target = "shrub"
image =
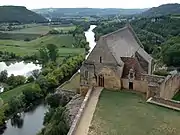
{"points": [[53, 32], [161, 73], [54, 100], [27, 39], [32, 93], [30, 79]]}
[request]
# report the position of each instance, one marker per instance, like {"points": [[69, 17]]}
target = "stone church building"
{"points": [[118, 61]]}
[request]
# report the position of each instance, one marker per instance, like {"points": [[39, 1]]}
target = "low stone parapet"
{"points": [[172, 104], [80, 113]]}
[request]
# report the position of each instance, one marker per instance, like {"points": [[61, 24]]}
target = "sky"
{"points": [[34, 4]]}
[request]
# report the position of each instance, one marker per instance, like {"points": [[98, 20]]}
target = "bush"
{"points": [[53, 32], [15, 81], [27, 39], [30, 79], [161, 73], [54, 100], [57, 123], [32, 93]]}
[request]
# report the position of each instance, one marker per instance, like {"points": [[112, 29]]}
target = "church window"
{"points": [[86, 74], [100, 59]]}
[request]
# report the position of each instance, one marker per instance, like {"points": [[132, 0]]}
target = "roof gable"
{"points": [[125, 43], [101, 50]]}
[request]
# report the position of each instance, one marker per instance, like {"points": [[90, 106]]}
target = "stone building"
{"points": [[118, 61]]}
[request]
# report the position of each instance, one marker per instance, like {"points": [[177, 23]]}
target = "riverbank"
{"points": [[54, 74]]}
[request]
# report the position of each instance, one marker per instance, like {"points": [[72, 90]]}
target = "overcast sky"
{"points": [[32, 4]]}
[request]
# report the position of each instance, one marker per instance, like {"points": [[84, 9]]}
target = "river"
{"points": [[32, 122]]}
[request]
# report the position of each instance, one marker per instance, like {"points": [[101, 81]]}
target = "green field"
{"points": [[6, 96], [124, 113], [74, 84], [64, 42], [39, 29]]}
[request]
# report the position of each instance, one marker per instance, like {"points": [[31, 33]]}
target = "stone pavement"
{"points": [[87, 116]]}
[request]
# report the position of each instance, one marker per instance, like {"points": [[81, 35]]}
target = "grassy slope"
{"points": [[123, 113], [74, 84], [6, 96]]}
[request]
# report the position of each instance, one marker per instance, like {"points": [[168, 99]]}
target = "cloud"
{"points": [[31, 4]]}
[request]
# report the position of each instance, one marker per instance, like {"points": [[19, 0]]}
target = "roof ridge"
{"points": [[135, 35], [121, 29]]}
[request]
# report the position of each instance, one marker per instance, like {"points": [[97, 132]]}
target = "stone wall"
{"points": [[172, 104], [111, 79], [76, 120], [110, 72], [170, 86], [140, 86], [152, 78]]}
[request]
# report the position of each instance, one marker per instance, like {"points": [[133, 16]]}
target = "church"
{"points": [[119, 61]]}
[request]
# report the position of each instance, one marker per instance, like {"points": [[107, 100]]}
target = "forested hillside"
{"points": [[19, 14], [60, 12], [160, 36], [166, 9]]}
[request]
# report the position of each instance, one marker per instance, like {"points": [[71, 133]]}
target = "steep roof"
{"points": [[125, 43]]}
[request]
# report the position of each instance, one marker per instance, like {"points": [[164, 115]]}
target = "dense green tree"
{"points": [[16, 103], [52, 51], [58, 124], [32, 93], [35, 73], [16, 80], [3, 76], [30, 79], [43, 55], [54, 100], [48, 116], [43, 83]]}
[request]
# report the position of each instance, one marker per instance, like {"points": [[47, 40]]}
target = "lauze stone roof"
{"points": [[124, 43]]}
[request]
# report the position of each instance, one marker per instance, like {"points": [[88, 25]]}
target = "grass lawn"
{"points": [[6, 96], [124, 113], [74, 84]]}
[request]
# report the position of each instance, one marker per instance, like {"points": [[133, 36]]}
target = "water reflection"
{"points": [[19, 68], [28, 123], [17, 121]]}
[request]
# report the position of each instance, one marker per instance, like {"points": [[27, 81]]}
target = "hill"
{"points": [[167, 9], [19, 14], [60, 12]]}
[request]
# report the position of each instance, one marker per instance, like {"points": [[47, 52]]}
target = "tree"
{"points": [[3, 76], [35, 73], [32, 93], [53, 32], [16, 80], [54, 100], [58, 124], [43, 83], [15, 104], [52, 51], [30, 79], [43, 55]]}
